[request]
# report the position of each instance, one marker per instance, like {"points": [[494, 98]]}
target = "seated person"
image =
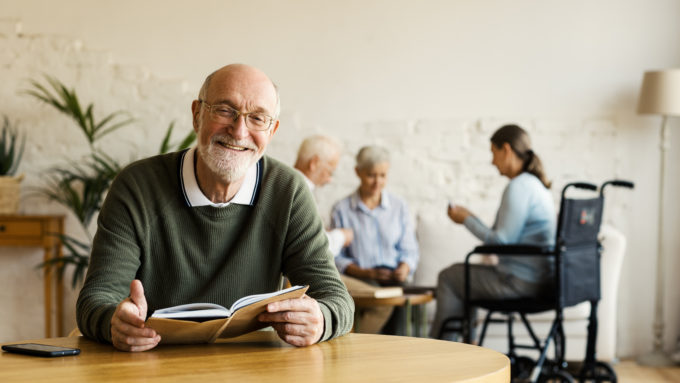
{"points": [[526, 216], [212, 224], [384, 251], [317, 159]]}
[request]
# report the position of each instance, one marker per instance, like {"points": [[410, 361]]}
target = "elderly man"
{"points": [[213, 224], [317, 159]]}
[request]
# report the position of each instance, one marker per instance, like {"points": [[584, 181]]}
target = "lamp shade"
{"points": [[660, 93]]}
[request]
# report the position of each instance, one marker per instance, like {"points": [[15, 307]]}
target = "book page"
{"points": [[250, 299], [193, 310]]}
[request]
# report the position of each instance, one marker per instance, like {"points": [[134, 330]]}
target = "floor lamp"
{"points": [[660, 94]]}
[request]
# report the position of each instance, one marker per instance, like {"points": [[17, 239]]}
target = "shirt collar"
{"points": [[193, 195], [309, 182], [356, 203]]}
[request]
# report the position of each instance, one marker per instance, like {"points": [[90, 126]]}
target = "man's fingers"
{"points": [[296, 321], [128, 312], [297, 304], [297, 335], [137, 296], [298, 340], [134, 341], [135, 344], [298, 317], [132, 330]]}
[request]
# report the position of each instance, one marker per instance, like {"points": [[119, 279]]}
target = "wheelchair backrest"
{"points": [[579, 250], [579, 221]]}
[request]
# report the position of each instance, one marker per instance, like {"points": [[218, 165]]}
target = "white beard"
{"points": [[230, 166]]}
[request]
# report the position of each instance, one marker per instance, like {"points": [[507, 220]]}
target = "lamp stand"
{"points": [[657, 357]]}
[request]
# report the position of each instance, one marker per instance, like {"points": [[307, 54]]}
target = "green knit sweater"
{"points": [[186, 254]]}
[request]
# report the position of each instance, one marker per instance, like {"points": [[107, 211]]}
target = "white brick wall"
{"points": [[54, 139], [353, 71]]}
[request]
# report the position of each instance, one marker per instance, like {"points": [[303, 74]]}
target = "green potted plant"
{"points": [[11, 151], [80, 186]]}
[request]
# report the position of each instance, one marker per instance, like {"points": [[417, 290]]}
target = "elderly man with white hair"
{"points": [[212, 224], [317, 159]]}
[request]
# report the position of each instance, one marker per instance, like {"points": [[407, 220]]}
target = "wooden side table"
{"points": [[38, 231], [413, 304]]}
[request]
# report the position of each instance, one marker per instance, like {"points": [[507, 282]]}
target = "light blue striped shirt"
{"points": [[383, 236]]}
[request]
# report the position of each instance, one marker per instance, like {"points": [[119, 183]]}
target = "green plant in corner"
{"points": [[11, 148], [66, 101], [185, 143], [80, 186]]}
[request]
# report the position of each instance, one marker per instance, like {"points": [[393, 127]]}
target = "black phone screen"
{"points": [[40, 349]]}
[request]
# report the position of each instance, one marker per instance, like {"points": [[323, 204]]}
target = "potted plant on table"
{"points": [[11, 151]]}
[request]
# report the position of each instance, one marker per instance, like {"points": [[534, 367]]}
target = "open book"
{"points": [[205, 322]]}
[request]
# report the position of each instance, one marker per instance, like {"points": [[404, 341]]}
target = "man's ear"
{"points": [[274, 129], [313, 163], [356, 170], [195, 112]]}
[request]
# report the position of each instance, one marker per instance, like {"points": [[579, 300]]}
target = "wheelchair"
{"points": [[576, 279]]}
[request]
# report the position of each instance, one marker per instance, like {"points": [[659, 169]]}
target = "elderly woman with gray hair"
{"points": [[384, 251]]}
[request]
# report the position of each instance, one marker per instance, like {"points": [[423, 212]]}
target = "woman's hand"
{"points": [[380, 274], [458, 213]]}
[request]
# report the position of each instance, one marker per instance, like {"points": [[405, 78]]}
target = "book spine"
{"points": [[220, 330]]}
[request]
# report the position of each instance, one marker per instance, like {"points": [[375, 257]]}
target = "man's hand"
{"points": [[401, 272], [349, 236], [297, 321], [127, 324]]}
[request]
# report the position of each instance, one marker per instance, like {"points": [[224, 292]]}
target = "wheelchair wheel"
{"points": [[521, 367], [556, 377], [597, 372]]}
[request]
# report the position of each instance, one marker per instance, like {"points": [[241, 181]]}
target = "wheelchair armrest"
{"points": [[512, 250]]}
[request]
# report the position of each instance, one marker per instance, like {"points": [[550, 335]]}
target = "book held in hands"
{"points": [[205, 322]]}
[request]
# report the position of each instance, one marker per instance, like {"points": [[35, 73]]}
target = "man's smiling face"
{"points": [[230, 149]]}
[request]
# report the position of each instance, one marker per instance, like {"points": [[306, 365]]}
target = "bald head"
{"points": [[240, 74]]}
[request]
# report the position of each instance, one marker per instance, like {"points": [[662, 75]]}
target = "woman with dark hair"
{"points": [[526, 216]]}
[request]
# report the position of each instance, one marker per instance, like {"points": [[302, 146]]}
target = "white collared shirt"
{"points": [[336, 237], [194, 195]]}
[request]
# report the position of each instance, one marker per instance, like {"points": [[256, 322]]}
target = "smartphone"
{"points": [[40, 349]]}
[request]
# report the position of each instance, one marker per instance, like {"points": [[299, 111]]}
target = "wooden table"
{"points": [[413, 306], [261, 357], [38, 231]]}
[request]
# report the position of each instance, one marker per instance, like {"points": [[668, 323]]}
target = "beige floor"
{"points": [[630, 372]]}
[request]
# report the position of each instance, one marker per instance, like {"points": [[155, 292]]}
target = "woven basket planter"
{"points": [[10, 191]]}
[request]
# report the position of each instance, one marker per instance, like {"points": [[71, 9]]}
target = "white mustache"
{"points": [[230, 141]]}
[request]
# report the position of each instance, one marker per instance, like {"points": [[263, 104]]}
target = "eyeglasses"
{"points": [[225, 114]]}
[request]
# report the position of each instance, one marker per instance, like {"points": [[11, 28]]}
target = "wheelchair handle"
{"points": [[618, 183], [583, 185], [578, 185]]}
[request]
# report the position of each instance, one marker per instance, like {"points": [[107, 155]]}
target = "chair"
{"points": [[577, 279]]}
